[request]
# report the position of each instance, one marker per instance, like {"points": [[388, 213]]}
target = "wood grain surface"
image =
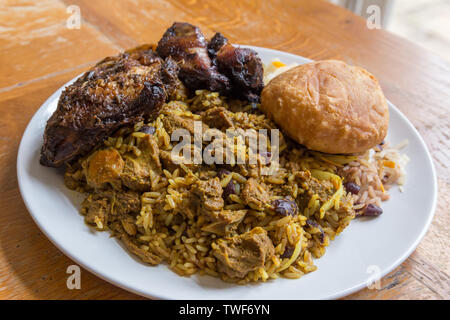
{"points": [[38, 54]]}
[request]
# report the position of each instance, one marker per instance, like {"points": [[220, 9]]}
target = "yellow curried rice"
{"points": [[164, 227]]}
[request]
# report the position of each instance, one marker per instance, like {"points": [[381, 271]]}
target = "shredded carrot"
{"points": [[382, 188], [389, 164], [278, 64]]}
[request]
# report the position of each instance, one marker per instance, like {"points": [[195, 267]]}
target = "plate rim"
{"points": [[118, 282]]}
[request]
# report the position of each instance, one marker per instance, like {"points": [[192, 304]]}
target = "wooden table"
{"points": [[38, 53]]}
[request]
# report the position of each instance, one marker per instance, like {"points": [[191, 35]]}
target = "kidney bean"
{"points": [[372, 210], [285, 207], [148, 129], [313, 224], [288, 251], [230, 188], [352, 187], [267, 156]]}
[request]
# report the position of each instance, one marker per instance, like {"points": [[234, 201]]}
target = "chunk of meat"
{"points": [[104, 167], [174, 122], [241, 65], [238, 255], [145, 255], [245, 70], [106, 206], [255, 194], [207, 196], [208, 201], [225, 222], [126, 203], [118, 91], [311, 186], [167, 162], [129, 225], [217, 117], [186, 44], [136, 172], [170, 164], [214, 45], [96, 209]]}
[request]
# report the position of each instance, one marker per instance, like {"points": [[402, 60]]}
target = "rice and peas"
{"points": [[309, 200]]}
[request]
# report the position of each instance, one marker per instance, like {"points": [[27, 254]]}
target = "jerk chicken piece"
{"points": [[214, 45], [186, 44], [241, 65], [118, 91]]}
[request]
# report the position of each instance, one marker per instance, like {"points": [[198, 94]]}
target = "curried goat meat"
{"points": [[118, 91], [208, 197], [136, 171], [238, 255], [107, 205], [255, 194], [217, 117], [225, 221]]}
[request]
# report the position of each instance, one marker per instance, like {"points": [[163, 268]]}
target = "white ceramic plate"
{"points": [[367, 248]]}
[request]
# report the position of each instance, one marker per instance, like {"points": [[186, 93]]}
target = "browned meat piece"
{"points": [[242, 66], [255, 194], [136, 171], [186, 44], [169, 164], [96, 209], [173, 122], [118, 91], [311, 186], [144, 255], [214, 45], [238, 255], [129, 225], [245, 70], [125, 203], [207, 196], [225, 221], [104, 167], [208, 201], [217, 117], [107, 205]]}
